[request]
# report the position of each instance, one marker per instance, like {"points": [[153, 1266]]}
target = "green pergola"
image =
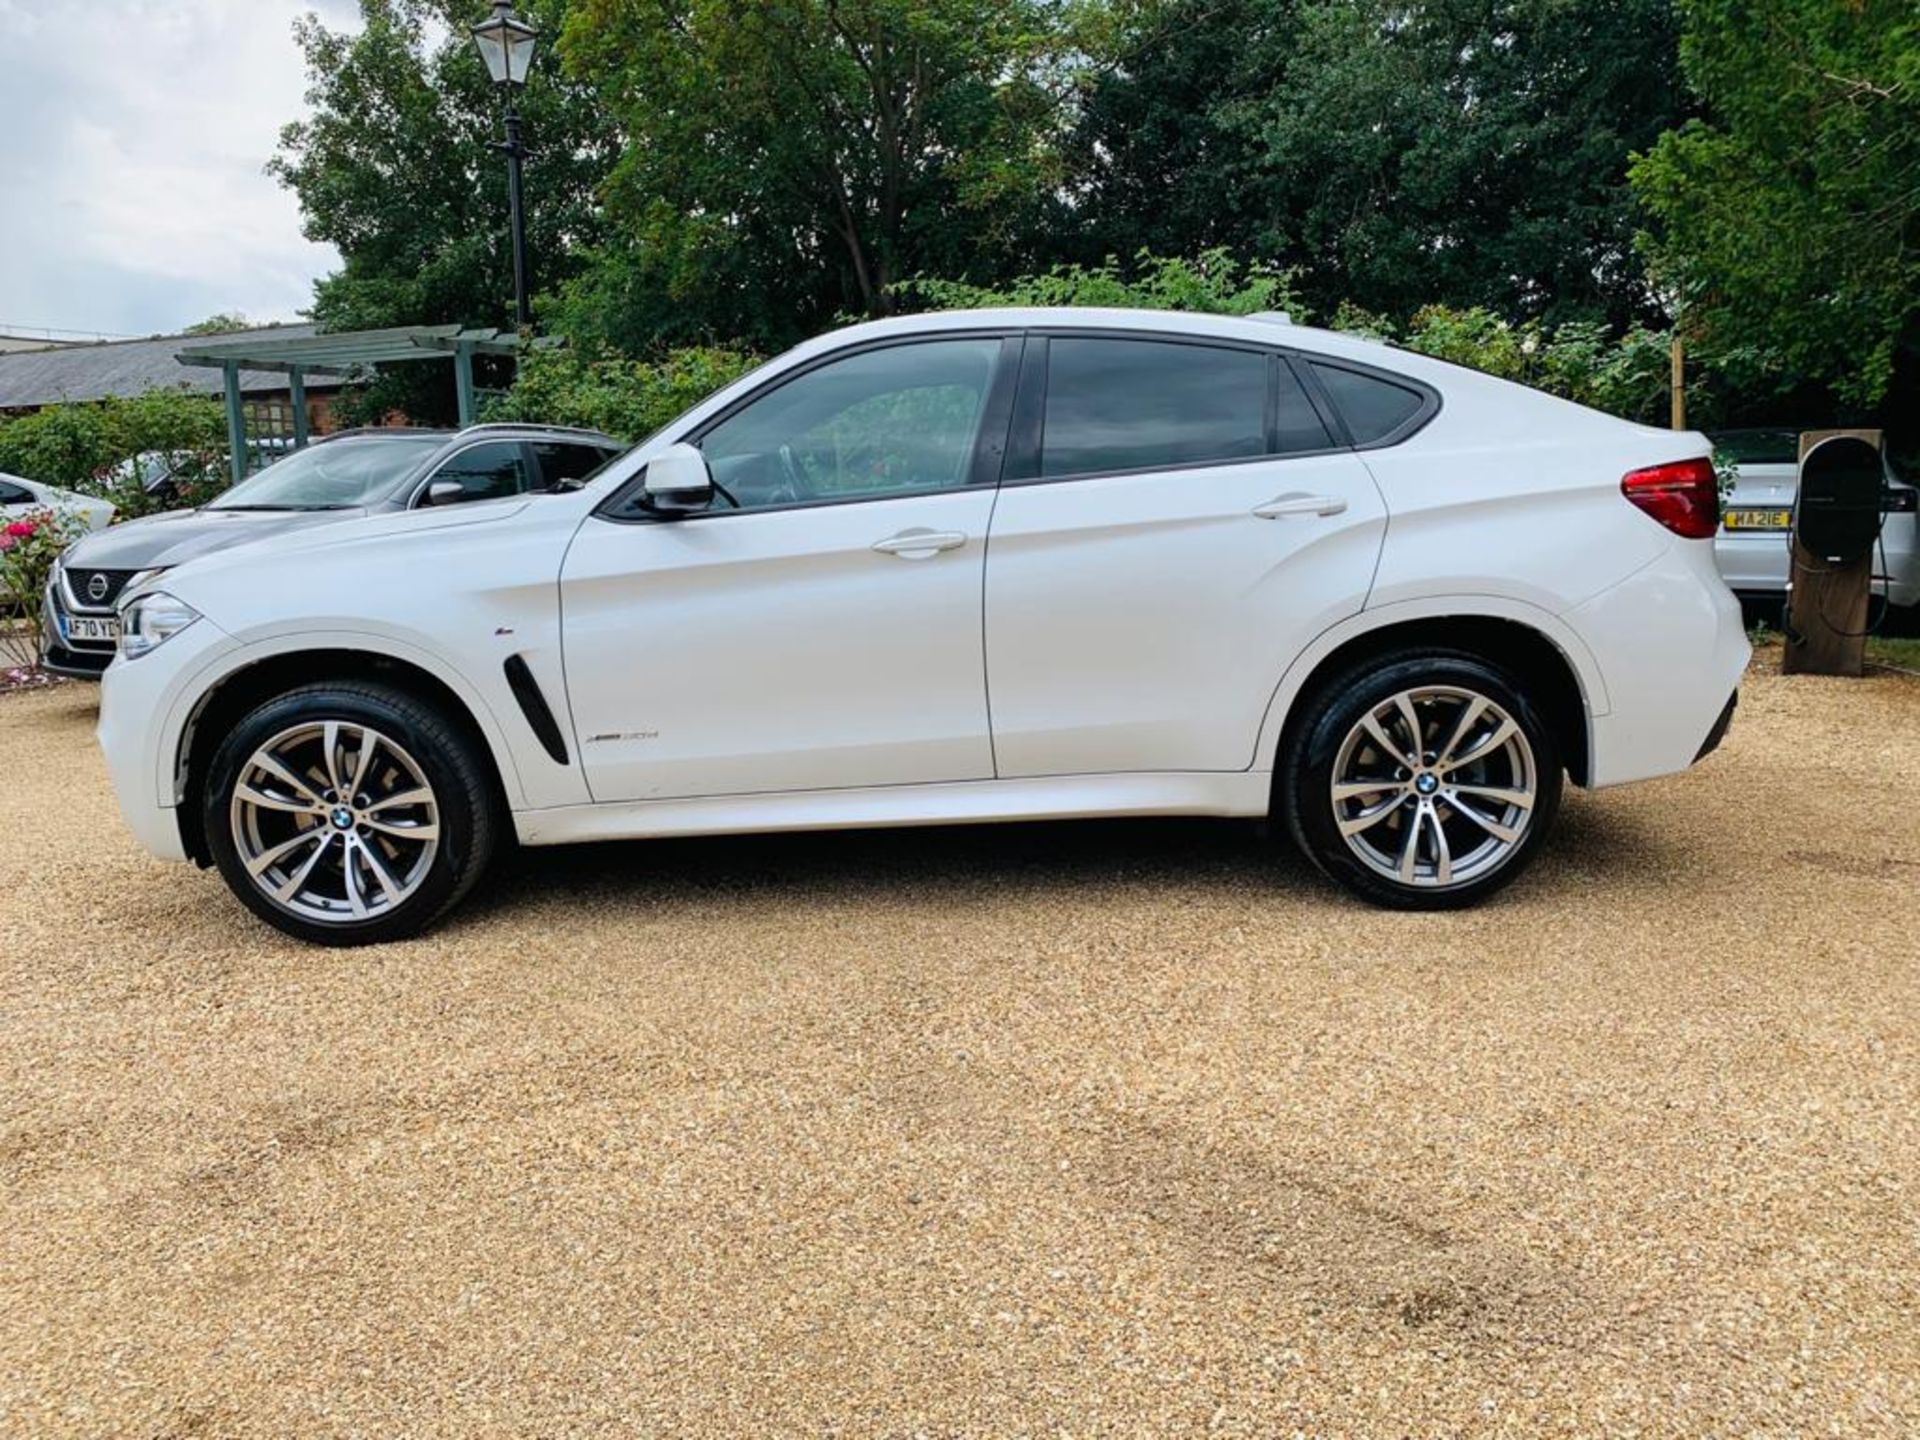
{"points": [[348, 355]]}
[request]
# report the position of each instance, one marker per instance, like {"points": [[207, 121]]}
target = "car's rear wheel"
{"points": [[1422, 780], [349, 813]]}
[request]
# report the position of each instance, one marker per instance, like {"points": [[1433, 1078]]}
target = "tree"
{"points": [[227, 322], [1468, 152], [788, 160], [627, 399], [1787, 221], [395, 168]]}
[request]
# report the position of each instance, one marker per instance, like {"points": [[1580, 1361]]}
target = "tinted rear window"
{"points": [[1373, 408], [1149, 404], [1759, 447]]}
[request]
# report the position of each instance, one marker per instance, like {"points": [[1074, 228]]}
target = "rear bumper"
{"points": [[1671, 647], [1759, 565], [1753, 563], [1720, 728]]}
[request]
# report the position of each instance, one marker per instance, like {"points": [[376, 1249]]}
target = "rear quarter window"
{"points": [[1374, 407]]}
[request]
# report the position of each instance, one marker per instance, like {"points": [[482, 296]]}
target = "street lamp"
{"points": [[506, 43]]}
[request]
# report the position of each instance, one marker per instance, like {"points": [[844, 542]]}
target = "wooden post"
{"points": [[1677, 384], [1827, 605]]}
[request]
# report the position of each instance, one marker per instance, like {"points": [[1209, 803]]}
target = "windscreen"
{"points": [[339, 475]]}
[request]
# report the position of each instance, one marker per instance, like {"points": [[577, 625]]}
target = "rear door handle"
{"points": [[920, 544], [1298, 502]]}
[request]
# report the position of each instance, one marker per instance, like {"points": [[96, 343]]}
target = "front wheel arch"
{"points": [[238, 693]]}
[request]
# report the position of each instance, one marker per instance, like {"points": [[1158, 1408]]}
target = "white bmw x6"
{"points": [[995, 565]]}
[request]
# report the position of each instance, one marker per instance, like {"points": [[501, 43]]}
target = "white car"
{"points": [[20, 498], [1753, 548], [991, 565]]}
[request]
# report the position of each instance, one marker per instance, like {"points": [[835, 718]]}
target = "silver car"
{"points": [[356, 472], [1756, 519]]}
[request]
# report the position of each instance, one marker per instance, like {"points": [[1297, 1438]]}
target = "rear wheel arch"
{"points": [[238, 693], [1528, 655]]}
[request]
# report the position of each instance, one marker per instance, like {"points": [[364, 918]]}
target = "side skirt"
{"points": [[1058, 797]]}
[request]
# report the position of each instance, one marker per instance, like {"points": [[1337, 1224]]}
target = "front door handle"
{"points": [[1298, 502], [919, 544]]}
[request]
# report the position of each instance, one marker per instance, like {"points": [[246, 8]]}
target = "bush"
{"points": [[627, 399], [95, 447], [28, 548], [1213, 282], [1579, 361]]}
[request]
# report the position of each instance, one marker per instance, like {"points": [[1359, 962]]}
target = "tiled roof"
{"points": [[130, 367]]}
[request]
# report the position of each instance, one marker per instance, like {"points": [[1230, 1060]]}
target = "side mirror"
{"points": [[678, 481], [445, 492]]}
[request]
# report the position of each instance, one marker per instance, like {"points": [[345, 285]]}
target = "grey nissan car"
{"points": [[355, 472]]}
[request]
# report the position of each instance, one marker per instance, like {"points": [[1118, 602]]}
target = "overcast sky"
{"points": [[133, 136]]}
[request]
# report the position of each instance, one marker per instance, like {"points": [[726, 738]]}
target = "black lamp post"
{"points": [[506, 43]]}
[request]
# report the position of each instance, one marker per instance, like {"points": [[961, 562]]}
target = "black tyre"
{"points": [[1421, 780], [348, 813]]}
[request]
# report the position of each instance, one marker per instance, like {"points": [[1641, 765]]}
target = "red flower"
{"points": [[21, 529]]}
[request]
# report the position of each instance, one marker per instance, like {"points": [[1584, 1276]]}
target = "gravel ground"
{"points": [[1118, 1129]]}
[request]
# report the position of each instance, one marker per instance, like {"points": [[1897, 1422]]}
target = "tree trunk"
{"points": [[1827, 616]]}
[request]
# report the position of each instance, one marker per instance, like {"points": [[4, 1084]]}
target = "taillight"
{"points": [[1684, 496]]}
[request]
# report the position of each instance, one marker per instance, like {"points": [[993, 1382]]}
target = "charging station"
{"points": [[1837, 517]]}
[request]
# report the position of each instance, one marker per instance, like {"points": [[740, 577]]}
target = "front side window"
{"points": [[484, 472], [900, 420], [1150, 405], [14, 494]]}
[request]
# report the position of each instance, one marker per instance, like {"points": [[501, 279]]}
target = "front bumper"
{"points": [[81, 662], [144, 708]]}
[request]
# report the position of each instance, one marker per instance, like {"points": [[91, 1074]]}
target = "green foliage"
{"points": [[1214, 282], [1466, 152], [227, 322], [395, 168], [627, 399], [93, 447], [790, 160], [1788, 220], [1454, 172], [1579, 360]]}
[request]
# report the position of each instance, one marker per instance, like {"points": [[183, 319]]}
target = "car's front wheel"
{"points": [[1423, 780], [349, 813]]}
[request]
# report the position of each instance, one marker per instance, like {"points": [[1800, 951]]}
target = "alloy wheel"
{"points": [[1435, 787], [334, 822]]}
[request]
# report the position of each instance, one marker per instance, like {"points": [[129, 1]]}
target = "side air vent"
{"points": [[533, 705]]}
